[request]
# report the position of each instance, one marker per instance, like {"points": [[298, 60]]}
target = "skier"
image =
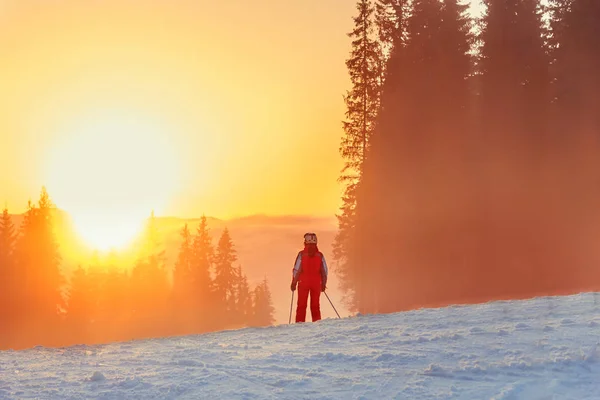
{"points": [[310, 274]]}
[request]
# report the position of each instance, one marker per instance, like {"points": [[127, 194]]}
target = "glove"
{"points": [[293, 285]]}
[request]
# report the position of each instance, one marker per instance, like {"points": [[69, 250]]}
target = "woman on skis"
{"points": [[310, 275]]}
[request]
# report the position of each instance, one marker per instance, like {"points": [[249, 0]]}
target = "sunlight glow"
{"points": [[109, 173]]}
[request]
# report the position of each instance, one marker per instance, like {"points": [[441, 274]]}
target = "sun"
{"points": [[109, 172]]}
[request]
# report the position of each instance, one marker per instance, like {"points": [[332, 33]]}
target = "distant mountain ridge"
{"points": [[291, 219], [257, 219]]}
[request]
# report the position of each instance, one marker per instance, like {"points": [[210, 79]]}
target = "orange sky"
{"points": [[245, 98], [248, 95]]}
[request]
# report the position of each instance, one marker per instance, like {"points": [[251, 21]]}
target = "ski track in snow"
{"points": [[540, 349]]}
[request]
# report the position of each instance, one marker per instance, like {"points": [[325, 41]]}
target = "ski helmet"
{"points": [[310, 238]]}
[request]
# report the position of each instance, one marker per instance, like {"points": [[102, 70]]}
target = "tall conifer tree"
{"points": [[263, 305], [225, 274], [362, 102], [514, 68], [7, 272], [203, 258]]}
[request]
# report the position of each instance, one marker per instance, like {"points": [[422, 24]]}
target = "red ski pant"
{"points": [[304, 290]]}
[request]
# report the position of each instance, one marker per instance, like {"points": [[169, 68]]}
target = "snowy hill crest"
{"points": [[544, 348]]}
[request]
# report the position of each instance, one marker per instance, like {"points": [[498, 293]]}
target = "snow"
{"points": [[544, 348]]}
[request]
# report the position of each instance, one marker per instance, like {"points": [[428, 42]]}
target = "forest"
{"points": [[206, 290], [471, 150]]}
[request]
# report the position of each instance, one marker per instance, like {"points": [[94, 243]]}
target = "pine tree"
{"points": [[243, 298], [183, 297], [225, 276], [575, 122], [203, 257], [576, 39], [362, 102], [390, 18], [7, 272], [513, 104], [80, 306], [371, 235], [53, 279], [342, 246], [457, 67], [408, 152], [263, 305], [8, 237], [514, 68], [38, 258], [182, 274]]}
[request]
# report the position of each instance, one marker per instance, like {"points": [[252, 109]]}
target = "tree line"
{"points": [[471, 149], [102, 302]]}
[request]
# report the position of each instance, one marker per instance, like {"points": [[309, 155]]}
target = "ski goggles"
{"points": [[310, 238]]}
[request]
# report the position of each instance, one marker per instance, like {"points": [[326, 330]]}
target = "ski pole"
{"points": [[332, 305], [291, 306]]}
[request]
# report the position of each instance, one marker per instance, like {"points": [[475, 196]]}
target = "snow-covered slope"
{"points": [[539, 349]]}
